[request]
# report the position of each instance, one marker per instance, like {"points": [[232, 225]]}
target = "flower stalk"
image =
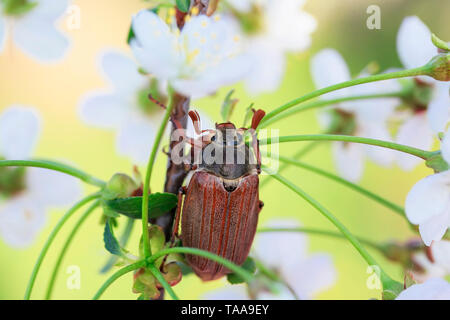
{"points": [[424, 70], [387, 282], [151, 162], [55, 166], [335, 137], [52, 237]]}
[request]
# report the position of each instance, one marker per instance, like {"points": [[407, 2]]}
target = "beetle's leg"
{"points": [[176, 224], [261, 205]]}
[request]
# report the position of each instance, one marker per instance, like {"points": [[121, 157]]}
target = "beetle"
{"points": [[221, 203]]}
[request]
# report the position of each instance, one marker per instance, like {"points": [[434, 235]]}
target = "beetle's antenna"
{"points": [[195, 117], [258, 115], [162, 105]]}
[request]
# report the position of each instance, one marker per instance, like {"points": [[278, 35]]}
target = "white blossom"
{"points": [[438, 267], [121, 107], [285, 253], [428, 202], [23, 213], [432, 289], [285, 28], [204, 56], [415, 49], [34, 31], [369, 115]]}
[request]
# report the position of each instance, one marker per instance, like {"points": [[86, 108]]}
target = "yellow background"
{"points": [[56, 90]]}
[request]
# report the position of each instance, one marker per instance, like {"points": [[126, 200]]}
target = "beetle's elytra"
{"points": [[221, 203]]}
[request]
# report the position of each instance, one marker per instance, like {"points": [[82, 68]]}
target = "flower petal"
{"points": [[281, 250], [213, 56], [265, 76], [433, 289], [39, 38], [414, 44], [49, 188], [314, 275], [49, 9], [233, 292], [428, 198], [135, 139], [3, 29], [19, 131], [435, 227], [441, 254], [288, 26], [20, 221], [415, 132], [122, 72], [349, 159], [104, 110], [241, 5], [328, 68], [438, 112], [155, 46], [376, 130], [432, 270], [445, 146]]}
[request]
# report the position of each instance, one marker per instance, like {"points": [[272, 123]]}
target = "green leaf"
{"points": [[111, 243], [248, 265], [158, 204], [183, 5], [228, 106]]}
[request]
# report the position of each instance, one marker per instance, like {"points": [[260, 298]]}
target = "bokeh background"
{"points": [[56, 90]]}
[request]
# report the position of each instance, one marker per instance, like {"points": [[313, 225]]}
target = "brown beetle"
{"points": [[221, 201]]}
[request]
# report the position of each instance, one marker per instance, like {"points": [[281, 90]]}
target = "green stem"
{"points": [[323, 233], [323, 103], [398, 209], [50, 239], [157, 274], [247, 276], [51, 165], [424, 70], [117, 275], [385, 279], [66, 246], [336, 137], [151, 161], [305, 150]]}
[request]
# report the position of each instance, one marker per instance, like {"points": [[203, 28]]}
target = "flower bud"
{"points": [[437, 163], [440, 67], [119, 186]]}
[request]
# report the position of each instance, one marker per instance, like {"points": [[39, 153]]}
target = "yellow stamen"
{"points": [[194, 11], [191, 56]]}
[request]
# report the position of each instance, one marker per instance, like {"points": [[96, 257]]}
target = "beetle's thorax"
{"points": [[227, 155]]}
